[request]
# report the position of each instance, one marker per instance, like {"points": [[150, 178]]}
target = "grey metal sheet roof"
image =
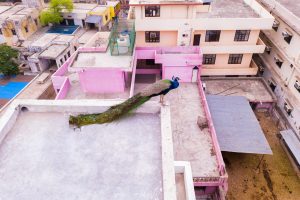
{"points": [[293, 143], [236, 125]]}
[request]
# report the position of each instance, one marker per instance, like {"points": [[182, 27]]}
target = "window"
{"points": [[69, 54], [152, 11], [287, 37], [297, 85], [235, 58], [13, 31], [288, 107], [278, 62], [65, 56], [75, 48], [36, 21], [209, 59], [106, 17], [212, 36], [26, 29], [242, 35], [272, 84], [1, 31], [61, 61], [152, 36]]}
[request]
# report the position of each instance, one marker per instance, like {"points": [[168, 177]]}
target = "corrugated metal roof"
{"points": [[292, 142], [236, 125]]}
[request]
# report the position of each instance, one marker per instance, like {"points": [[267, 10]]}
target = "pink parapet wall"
{"points": [[222, 181], [102, 81], [63, 91]]}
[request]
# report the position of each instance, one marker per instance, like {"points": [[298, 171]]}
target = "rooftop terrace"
{"points": [[229, 9], [292, 6], [108, 161], [100, 60], [190, 142], [254, 89]]}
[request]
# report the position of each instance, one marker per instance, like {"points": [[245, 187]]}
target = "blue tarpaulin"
{"points": [[10, 90], [236, 125]]}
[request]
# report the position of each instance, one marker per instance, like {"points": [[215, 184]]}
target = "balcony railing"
{"points": [[242, 71]]}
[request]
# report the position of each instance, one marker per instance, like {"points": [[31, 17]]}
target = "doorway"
{"points": [[197, 38]]}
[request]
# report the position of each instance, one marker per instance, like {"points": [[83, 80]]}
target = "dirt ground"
{"points": [[273, 179]]}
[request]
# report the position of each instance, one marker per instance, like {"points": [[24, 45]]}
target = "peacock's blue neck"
{"points": [[174, 84]]}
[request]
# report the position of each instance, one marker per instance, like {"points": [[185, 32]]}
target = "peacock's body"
{"points": [[161, 87]]}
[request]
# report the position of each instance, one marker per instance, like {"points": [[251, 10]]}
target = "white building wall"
{"points": [[286, 76]]}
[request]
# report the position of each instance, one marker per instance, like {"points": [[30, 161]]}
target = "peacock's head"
{"points": [[175, 78]]}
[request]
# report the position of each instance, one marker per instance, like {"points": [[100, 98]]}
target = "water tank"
{"points": [[126, 36], [122, 45]]}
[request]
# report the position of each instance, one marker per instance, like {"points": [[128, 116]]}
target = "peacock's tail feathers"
{"points": [[113, 113]]}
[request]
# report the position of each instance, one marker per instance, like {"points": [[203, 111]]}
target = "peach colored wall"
{"points": [[167, 38], [222, 62], [227, 38], [167, 12]]}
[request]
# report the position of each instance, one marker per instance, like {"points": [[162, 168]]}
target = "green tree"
{"points": [[8, 65], [53, 13]]}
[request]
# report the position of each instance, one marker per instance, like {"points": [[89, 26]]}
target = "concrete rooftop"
{"points": [[53, 51], [100, 60], [254, 89], [41, 157], [229, 9], [293, 6], [44, 40], [190, 142]]}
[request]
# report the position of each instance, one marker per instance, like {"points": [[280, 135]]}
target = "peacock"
{"points": [[161, 87]]}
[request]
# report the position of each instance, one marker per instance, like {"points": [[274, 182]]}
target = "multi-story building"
{"points": [[17, 23], [282, 58], [228, 37]]}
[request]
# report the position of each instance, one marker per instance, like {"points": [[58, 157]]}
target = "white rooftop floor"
{"points": [[42, 158]]}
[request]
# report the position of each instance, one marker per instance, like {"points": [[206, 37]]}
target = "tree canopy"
{"points": [[53, 13], [8, 66]]}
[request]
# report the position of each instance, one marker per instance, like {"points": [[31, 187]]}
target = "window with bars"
{"points": [[13, 31], [212, 36], [152, 36], [235, 58], [152, 11], [242, 35], [209, 59]]}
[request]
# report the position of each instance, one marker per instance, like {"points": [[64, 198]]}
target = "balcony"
{"points": [[242, 71], [259, 47]]}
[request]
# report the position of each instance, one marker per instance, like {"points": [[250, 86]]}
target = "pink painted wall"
{"points": [[64, 89], [221, 165], [184, 73], [102, 80]]}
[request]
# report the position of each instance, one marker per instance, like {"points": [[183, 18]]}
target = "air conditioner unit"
{"points": [[288, 108], [277, 59], [271, 81], [276, 24], [286, 34], [297, 85], [268, 48]]}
